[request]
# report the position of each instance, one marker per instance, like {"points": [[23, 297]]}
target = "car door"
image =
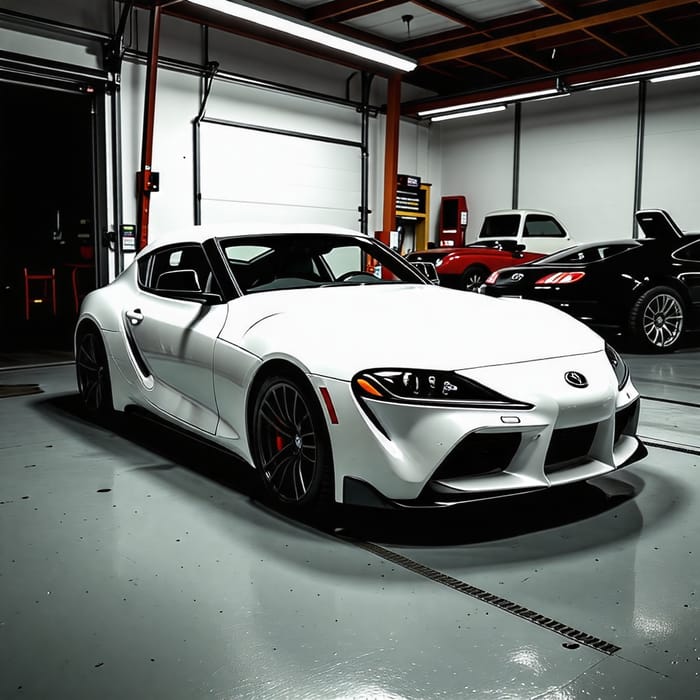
{"points": [[686, 261], [173, 335]]}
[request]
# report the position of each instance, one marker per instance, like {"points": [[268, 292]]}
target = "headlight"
{"points": [[622, 371], [430, 387]]}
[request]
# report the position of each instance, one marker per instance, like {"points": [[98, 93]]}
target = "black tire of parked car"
{"points": [[656, 320], [291, 447], [473, 277]]}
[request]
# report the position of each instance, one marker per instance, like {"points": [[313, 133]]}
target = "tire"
{"points": [[656, 320], [92, 372], [473, 277], [291, 447]]}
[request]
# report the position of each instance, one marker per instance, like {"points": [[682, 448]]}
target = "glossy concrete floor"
{"points": [[136, 565]]}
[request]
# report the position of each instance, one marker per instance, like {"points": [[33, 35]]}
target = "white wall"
{"points": [[253, 175], [577, 154], [671, 161], [577, 159], [477, 161]]}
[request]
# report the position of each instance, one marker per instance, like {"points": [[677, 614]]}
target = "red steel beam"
{"points": [[391, 153], [144, 180]]}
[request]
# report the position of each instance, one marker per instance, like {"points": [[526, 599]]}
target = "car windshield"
{"points": [[587, 254], [284, 261]]}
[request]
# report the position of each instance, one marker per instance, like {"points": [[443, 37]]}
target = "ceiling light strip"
{"points": [[641, 74], [675, 76], [471, 113], [307, 32], [495, 101]]}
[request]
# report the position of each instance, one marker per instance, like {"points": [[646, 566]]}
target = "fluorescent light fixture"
{"points": [[471, 113], [495, 101], [614, 85], [675, 76], [643, 73], [307, 32], [552, 97]]}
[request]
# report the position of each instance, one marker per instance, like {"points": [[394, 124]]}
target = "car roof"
{"points": [[199, 234], [519, 212]]}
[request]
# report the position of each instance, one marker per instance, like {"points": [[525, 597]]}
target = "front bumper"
{"points": [[416, 455]]}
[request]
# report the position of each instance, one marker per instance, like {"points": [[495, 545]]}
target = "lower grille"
{"points": [[569, 444], [479, 454]]}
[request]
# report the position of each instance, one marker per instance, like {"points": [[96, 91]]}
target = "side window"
{"points": [[543, 227], [143, 269], [690, 252], [189, 260]]}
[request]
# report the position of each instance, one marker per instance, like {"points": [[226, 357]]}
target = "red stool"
{"points": [[40, 293], [77, 294]]}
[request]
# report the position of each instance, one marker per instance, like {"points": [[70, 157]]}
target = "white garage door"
{"points": [[251, 175]]}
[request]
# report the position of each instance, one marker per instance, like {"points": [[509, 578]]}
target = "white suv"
{"points": [[537, 231]]}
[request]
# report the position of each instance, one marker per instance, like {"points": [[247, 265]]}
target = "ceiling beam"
{"points": [[659, 31], [555, 30], [342, 10]]}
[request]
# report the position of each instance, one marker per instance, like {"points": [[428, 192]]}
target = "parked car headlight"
{"points": [[622, 371], [428, 386]]}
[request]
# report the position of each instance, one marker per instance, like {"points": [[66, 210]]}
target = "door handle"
{"points": [[135, 317]]}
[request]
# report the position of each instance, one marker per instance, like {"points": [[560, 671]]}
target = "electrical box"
{"points": [[127, 233], [454, 216]]}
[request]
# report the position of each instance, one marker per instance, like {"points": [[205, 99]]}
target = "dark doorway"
{"points": [[47, 228]]}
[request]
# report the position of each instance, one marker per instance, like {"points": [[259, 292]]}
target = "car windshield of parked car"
{"points": [[290, 261], [499, 226], [587, 254]]}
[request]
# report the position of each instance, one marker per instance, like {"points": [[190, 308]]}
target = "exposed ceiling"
{"points": [[488, 48]]}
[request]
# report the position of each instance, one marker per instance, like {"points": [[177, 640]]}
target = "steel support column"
{"points": [[364, 185], [391, 153], [517, 124], [641, 119], [145, 179]]}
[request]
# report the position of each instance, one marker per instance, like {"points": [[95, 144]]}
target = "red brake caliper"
{"points": [[279, 442]]}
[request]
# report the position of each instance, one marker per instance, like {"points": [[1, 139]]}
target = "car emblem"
{"points": [[517, 276], [576, 379]]}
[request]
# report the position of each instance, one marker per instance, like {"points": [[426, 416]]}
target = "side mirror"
{"points": [[518, 251]]}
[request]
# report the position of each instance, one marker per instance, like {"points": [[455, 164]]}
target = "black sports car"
{"points": [[648, 288]]}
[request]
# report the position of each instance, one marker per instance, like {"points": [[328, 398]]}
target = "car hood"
{"points": [[338, 331]]}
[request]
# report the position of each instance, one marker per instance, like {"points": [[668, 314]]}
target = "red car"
{"points": [[467, 268]]}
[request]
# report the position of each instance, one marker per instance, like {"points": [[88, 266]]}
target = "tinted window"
{"points": [[587, 254], [179, 258], [499, 226], [690, 252], [543, 226]]}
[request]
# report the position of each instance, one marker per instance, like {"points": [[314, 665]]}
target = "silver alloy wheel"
{"points": [[92, 371], [287, 441], [474, 277], [662, 320]]}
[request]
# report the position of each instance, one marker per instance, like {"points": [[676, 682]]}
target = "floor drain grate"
{"points": [[495, 600]]}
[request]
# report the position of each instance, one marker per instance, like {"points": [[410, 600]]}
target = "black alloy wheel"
{"points": [[657, 318], [473, 277], [291, 445], [92, 370]]}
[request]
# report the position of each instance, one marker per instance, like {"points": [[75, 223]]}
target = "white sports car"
{"points": [[337, 370]]}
